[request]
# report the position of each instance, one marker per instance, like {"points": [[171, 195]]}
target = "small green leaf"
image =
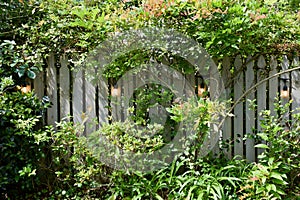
{"points": [[21, 72], [262, 146], [31, 74]]}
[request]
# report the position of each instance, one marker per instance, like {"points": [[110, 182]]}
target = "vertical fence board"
{"points": [[261, 93], [39, 85], [273, 85], [128, 90], [51, 85], [250, 115], [90, 107], [227, 126], [64, 78], [238, 110], [103, 101], [78, 97]]}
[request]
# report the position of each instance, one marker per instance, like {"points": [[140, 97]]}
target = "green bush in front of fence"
{"points": [[22, 143]]}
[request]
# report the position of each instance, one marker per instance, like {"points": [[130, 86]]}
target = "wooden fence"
{"points": [[71, 94]]}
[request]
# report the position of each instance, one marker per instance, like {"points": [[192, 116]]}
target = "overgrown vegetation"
{"points": [[45, 162]]}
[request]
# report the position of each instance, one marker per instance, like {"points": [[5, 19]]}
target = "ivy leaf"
{"points": [[31, 74], [20, 72]]}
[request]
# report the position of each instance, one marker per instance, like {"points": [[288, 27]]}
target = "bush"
{"points": [[22, 145]]}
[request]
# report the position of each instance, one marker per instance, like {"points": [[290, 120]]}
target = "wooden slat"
{"points": [[78, 98], [39, 84], [250, 115], [103, 101], [227, 126], [273, 85], [51, 85], [128, 89], [238, 111], [90, 107], [64, 78], [261, 93], [295, 85]]}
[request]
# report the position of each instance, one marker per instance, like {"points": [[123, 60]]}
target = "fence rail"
{"points": [[71, 94]]}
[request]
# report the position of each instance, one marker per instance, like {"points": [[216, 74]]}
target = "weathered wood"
{"points": [[238, 111], [273, 85], [78, 98], [51, 85], [90, 107], [102, 101], [227, 126], [250, 115], [295, 92], [261, 93], [39, 84], [64, 79]]}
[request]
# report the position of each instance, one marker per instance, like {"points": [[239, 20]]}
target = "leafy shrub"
{"points": [[278, 170], [21, 143]]}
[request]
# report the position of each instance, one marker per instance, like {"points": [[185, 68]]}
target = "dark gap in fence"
{"points": [[97, 107], [57, 67], [70, 66], [110, 87], [290, 96]]}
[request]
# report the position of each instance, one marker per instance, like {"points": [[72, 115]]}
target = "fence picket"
{"points": [[238, 111], [51, 85], [261, 93], [227, 126], [250, 115], [64, 79], [102, 102], [39, 85], [78, 99], [295, 81], [273, 85], [90, 107]]}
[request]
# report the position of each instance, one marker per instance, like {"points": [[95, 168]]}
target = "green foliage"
{"points": [[72, 170], [279, 166], [126, 136], [14, 63], [77, 27], [183, 179], [22, 144]]}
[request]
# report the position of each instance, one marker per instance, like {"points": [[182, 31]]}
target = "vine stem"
{"points": [[253, 87]]}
